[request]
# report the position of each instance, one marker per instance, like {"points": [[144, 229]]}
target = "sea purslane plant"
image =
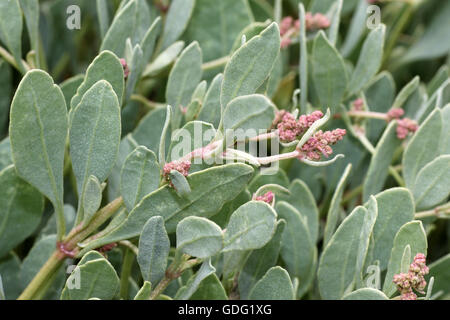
{"points": [[254, 150]]}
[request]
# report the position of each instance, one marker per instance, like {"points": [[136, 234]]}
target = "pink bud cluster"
{"points": [[358, 104], [405, 126], [289, 128], [126, 70], [316, 21], [395, 113], [414, 279], [320, 144], [290, 27], [180, 166], [267, 197]]}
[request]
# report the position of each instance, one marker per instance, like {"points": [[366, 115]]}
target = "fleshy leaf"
{"points": [[154, 248]]}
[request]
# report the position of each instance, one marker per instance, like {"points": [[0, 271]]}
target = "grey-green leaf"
{"points": [[163, 60], [303, 200], [10, 266], [328, 72], [30, 10], [20, 212], [95, 134], [38, 131], [369, 60], [432, 184], [298, 250], [194, 283], [177, 19], [380, 161], [144, 292], [412, 234], [259, 262], [338, 264], [140, 175], [199, 237], [69, 87], [335, 205], [251, 226], [132, 21], [366, 294], [250, 65], [179, 183], [216, 39], [106, 66], [210, 289], [154, 248], [92, 197], [97, 279], [251, 113], [11, 29], [183, 79], [422, 148], [149, 40], [395, 208], [211, 189], [275, 285]]}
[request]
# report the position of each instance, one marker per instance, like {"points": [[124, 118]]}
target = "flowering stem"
{"points": [[442, 211], [367, 114]]}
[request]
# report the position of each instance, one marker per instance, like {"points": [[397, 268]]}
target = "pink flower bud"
{"points": [[409, 296], [320, 144], [285, 25], [395, 113], [267, 197], [358, 104], [180, 166], [405, 126], [126, 71]]}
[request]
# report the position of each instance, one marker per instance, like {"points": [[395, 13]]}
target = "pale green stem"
{"points": [[215, 63], [125, 274], [442, 211], [77, 234], [147, 103], [10, 59], [44, 274], [367, 114]]}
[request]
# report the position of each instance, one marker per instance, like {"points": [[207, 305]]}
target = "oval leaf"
{"points": [[199, 237], [154, 248], [251, 226]]}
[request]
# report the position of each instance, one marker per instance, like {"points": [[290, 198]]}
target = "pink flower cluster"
{"points": [[289, 128], [395, 113], [405, 126], [180, 166], [358, 104], [290, 27], [126, 70], [414, 279], [267, 197], [316, 21], [320, 144]]}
